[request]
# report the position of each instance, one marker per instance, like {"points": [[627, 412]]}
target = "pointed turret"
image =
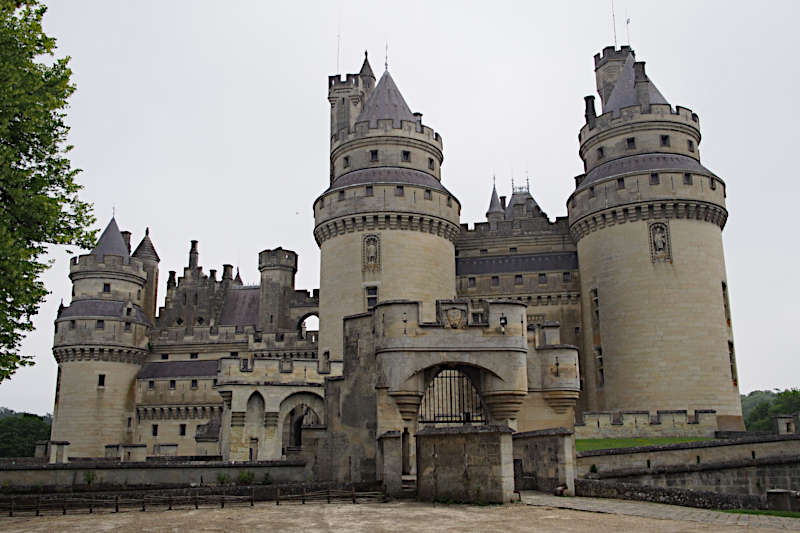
{"points": [[633, 87], [146, 250], [238, 278], [111, 242], [366, 69], [494, 203], [386, 102]]}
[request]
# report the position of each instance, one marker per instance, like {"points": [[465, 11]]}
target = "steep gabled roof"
{"points": [[366, 70], [146, 250], [494, 203], [385, 102], [111, 243], [624, 92]]}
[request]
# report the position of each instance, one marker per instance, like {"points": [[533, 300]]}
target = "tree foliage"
{"points": [[760, 417], [19, 433], [39, 202]]}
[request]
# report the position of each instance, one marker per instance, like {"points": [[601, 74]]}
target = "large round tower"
{"points": [[647, 218], [100, 343], [386, 225]]}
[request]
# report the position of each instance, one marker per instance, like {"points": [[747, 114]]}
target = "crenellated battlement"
{"points": [[640, 114], [88, 264], [611, 53], [277, 258], [666, 423], [386, 127], [349, 81]]}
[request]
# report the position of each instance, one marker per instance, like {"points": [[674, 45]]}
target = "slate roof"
{"points": [[494, 203], [105, 308], [624, 92], [517, 263], [366, 70], [111, 243], [146, 250], [644, 163], [240, 307], [390, 175], [519, 197], [385, 102], [179, 369]]}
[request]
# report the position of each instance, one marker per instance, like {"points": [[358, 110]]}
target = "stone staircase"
{"points": [[409, 487]]}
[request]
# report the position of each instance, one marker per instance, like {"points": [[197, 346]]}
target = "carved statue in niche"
{"points": [[371, 253], [660, 247]]}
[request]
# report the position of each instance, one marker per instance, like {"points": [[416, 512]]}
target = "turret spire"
{"points": [[386, 102], [111, 242]]}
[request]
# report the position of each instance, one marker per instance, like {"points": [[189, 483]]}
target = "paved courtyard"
{"points": [[538, 512]]}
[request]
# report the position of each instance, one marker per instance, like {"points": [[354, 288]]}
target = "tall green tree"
{"points": [[19, 433], [39, 202]]}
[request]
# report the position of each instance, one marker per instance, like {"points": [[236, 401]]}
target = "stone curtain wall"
{"points": [[544, 460], [607, 425], [673, 496], [470, 464]]}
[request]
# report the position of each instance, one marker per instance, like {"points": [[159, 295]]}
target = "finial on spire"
{"points": [[147, 231], [113, 211], [386, 63]]}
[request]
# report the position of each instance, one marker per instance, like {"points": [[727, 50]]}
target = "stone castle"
{"points": [[618, 312]]}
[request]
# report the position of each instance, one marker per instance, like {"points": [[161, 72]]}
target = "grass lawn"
{"points": [[787, 514], [584, 445]]}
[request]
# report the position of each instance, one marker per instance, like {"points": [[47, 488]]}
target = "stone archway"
{"points": [[297, 410], [254, 424], [302, 330], [452, 398]]}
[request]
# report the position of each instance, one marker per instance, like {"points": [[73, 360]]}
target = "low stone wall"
{"points": [[544, 460], [688, 453], [161, 474], [469, 464], [673, 496], [625, 424]]}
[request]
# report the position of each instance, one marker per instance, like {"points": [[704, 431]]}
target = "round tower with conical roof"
{"points": [[386, 225], [647, 217], [101, 340]]}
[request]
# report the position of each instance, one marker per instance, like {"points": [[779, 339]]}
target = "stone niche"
{"points": [[467, 464]]}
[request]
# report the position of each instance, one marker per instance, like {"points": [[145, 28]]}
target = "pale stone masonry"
{"points": [[616, 315]]}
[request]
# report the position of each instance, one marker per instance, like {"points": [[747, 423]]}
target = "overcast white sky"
{"points": [[209, 121]]}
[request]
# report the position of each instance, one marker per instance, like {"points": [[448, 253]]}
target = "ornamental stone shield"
{"points": [[660, 245], [371, 253]]}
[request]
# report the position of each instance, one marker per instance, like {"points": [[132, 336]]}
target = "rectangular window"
{"points": [[130, 421], [484, 251], [346, 161], [406, 156], [151, 385], [164, 356], [372, 297], [732, 358], [654, 179], [620, 183], [430, 163], [106, 287], [542, 278], [591, 191], [513, 249], [322, 203], [128, 311], [71, 324], [601, 373], [192, 356], [341, 196], [687, 179], [449, 201], [182, 430], [194, 383], [595, 305], [691, 145], [567, 277], [601, 153], [399, 191], [726, 304], [101, 380], [665, 140], [155, 430], [236, 354], [495, 281], [428, 194], [100, 324], [518, 279], [470, 282], [172, 384], [712, 183], [373, 155], [368, 191], [630, 143], [127, 326]]}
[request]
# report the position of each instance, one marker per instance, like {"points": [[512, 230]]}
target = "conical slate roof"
{"points": [[521, 196], [385, 102], [624, 92], [494, 203], [366, 70], [146, 250], [111, 243]]}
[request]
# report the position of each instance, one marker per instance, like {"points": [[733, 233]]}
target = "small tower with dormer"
{"points": [[100, 343]]}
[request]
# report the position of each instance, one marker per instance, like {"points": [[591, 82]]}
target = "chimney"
{"points": [[126, 236], [590, 114], [503, 202], [171, 280], [212, 274], [642, 86], [227, 272], [193, 255]]}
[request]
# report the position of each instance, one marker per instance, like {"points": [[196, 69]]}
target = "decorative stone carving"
{"points": [[660, 246], [456, 318], [371, 253]]}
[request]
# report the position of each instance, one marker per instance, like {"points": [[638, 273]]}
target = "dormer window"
{"points": [[373, 155], [406, 155]]}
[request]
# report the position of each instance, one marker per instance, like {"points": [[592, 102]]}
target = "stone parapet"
{"points": [[667, 423]]}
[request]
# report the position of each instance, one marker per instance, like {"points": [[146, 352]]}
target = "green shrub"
{"points": [[593, 469], [223, 478], [89, 477], [245, 477]]}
